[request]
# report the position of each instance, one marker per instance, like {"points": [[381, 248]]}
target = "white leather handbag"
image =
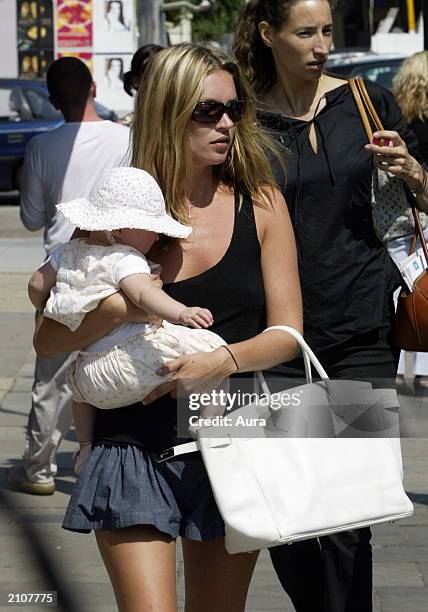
{"points": [[279, 485]]}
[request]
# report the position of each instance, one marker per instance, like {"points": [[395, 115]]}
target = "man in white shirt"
{"points": [[59, 166]]}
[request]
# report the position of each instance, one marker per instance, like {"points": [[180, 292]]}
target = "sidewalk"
{"points": [[400, 551]]}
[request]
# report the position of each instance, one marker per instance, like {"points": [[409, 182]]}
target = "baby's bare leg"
{"points": [[84, 420]]}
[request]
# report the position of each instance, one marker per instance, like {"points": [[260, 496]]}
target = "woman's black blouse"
{"points": [[233, 291], [346, 274]]}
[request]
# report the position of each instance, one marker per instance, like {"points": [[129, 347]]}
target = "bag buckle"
{"points": [[166, 454]]}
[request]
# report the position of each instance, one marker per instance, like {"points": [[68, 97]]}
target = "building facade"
{"points": [[100, 32]]}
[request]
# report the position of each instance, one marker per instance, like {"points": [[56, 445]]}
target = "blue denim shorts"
{"points": [[124, 485]]}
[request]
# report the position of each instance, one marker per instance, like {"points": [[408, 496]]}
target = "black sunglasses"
{"points": [[212, 111]]}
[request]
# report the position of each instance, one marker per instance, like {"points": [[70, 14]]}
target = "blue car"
{"points": [[25, 111]]}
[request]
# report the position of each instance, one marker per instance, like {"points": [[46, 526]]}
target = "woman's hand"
{"points": [[195, 373], [394, 157]]}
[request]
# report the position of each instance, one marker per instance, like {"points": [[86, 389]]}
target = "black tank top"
{"points": [[233, 290]]}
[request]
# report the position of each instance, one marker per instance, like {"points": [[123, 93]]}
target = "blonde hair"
{"points": [[410, 87], [173, 84]]}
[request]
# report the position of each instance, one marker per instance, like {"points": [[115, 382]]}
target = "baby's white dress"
{"points": [[120, 368]]}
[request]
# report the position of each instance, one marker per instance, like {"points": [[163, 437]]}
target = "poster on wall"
{"points": [[35, 25], [35, 37], [114, 26], [85, 57], [74, 23], [34, 65], [108, 75]]}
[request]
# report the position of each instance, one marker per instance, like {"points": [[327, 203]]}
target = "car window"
{"points": [[40, 106], [382, 75], [13, 106]]}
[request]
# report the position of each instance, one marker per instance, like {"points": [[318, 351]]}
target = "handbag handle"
{"points": [[309, 357], [369, 104], [353, 84], [365, 106]]}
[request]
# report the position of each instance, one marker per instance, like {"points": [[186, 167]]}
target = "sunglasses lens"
{"points": [[212, 112], [236, 110], [208, 112]]}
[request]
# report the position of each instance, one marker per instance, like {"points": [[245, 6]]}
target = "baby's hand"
{"points": [[196, 317]]}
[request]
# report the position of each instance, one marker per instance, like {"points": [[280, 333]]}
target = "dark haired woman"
{"points": [[132, 78], [347, 276], [140, 59]]}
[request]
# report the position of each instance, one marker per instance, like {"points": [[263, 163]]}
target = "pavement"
{"points": [[400, 550]]}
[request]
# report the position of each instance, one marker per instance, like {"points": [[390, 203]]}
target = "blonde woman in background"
{"points": [[411, 92], [410, 89]]}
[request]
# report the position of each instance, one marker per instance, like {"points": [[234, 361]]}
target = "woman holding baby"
{"points": [[195, 133]]}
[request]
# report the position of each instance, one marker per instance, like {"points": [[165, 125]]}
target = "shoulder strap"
{"points": [[369, 104], [419, 232], [367, 111], [361, 108]]}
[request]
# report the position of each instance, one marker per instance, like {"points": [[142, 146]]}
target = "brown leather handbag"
{"points": [[411, 321]]}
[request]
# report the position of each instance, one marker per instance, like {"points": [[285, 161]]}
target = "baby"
{"points": [[124, 214]]}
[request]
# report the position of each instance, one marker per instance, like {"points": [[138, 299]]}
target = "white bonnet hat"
{"points": [[124, 198]]}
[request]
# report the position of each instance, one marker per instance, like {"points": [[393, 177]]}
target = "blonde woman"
{"points": [[195, 132], [410, 89]]}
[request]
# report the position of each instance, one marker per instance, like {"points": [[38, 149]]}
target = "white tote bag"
{"points": [[271, 489]]}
